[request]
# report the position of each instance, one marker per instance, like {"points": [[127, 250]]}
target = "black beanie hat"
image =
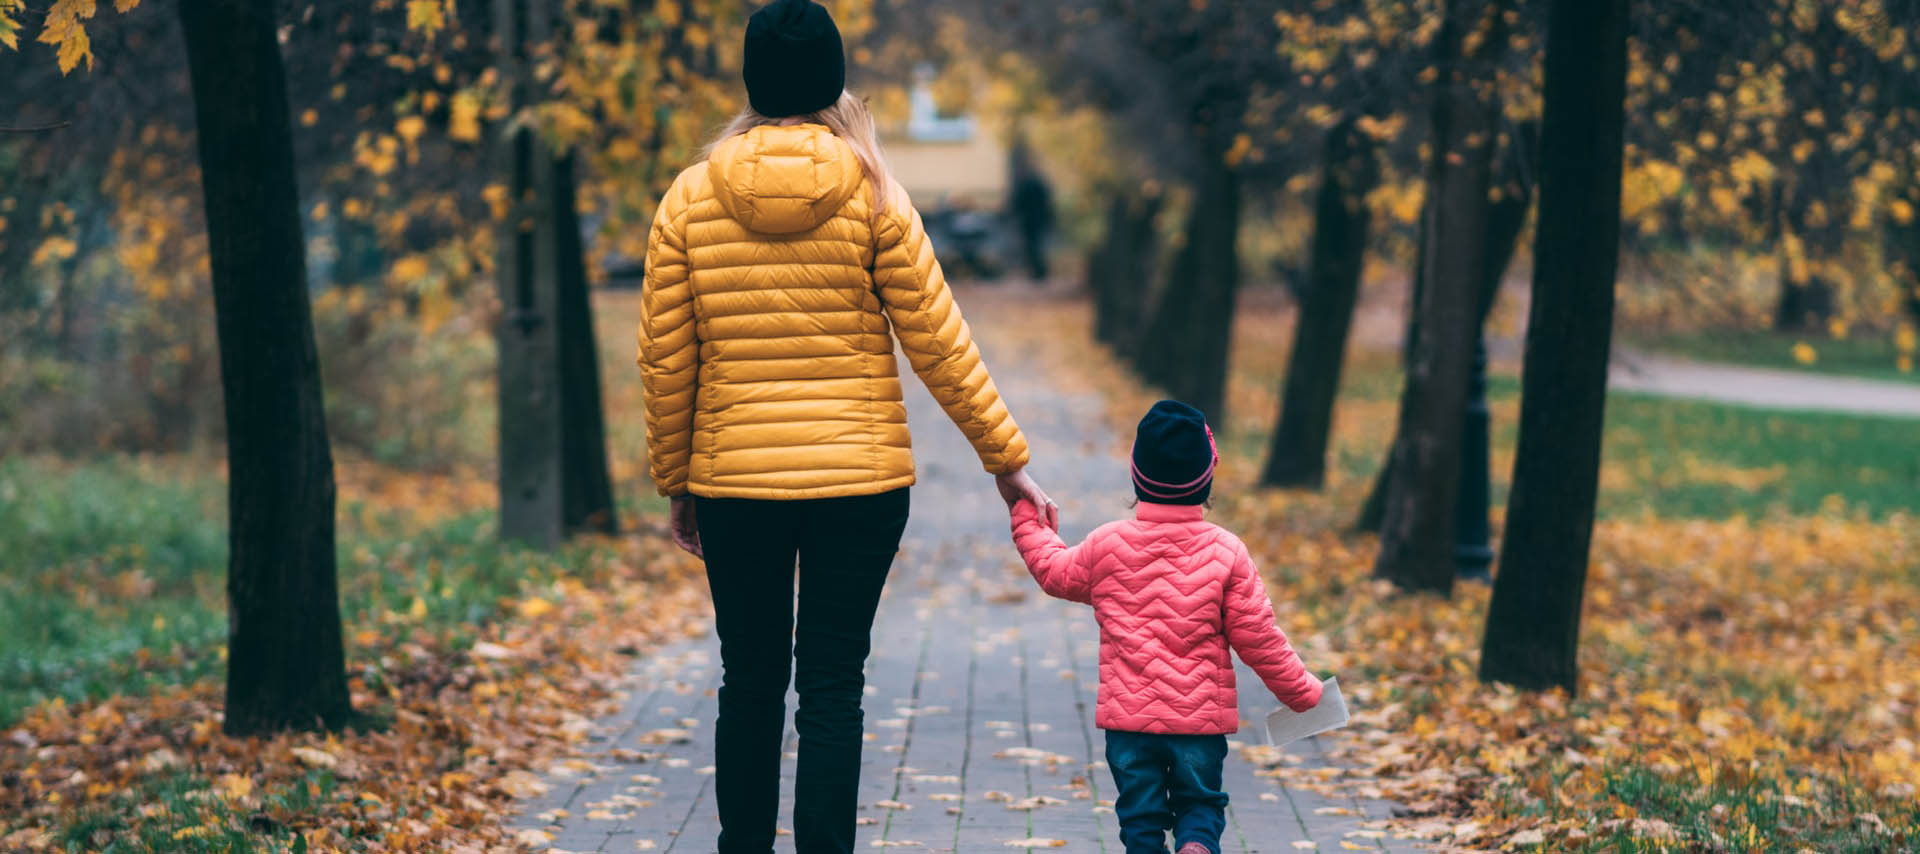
{"points": [[1173, 455], [794, 61]]}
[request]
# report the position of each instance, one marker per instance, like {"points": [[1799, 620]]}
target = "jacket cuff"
{"points": [[1010, 459], [1023, 514], [1310, 697]]}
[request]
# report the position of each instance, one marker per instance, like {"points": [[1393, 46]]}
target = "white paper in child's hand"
{"points": [[1286, 726]]}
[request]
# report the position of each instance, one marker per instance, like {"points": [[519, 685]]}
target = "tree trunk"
{"points": [[1188, 338], [1506, 216], [532, 467], [553, 451], [1533, 624], [1298, 457], [1135, 258], [286, 667], [1806, 295], [20, 234], [588, 499], [66, 300], [1902, 240], [1416, 543], [1374, 511], [1103, 269]]}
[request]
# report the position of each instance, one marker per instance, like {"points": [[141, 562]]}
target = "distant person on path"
{"points": [[775, 270], [1172, 593], [1032, 208]]}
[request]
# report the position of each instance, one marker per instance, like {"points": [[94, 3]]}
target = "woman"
{"points": [[775, 270]]}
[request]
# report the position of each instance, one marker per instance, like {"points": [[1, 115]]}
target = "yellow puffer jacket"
{"points": [[764, 346]]}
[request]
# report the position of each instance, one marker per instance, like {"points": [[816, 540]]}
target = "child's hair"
{"points": [[848, 118]]}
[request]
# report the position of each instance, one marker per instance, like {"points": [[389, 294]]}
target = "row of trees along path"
{"points": [[1482, 168], [979, 706], [287, 668]]}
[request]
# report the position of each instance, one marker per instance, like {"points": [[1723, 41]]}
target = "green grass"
{"points": [[1871, 355], [115, 576], [103, 562], [196, 820], [1694, 459], [1759, 815]]}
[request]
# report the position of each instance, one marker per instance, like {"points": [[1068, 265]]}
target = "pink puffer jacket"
{"points": [[1171, 592]]}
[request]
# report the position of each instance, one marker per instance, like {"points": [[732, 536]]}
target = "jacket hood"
{"points": [[777, 179]]}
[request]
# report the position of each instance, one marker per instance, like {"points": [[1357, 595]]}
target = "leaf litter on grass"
{"points": [[456, 722]]}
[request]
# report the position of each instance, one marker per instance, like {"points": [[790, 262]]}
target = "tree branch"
{"points": [[38, 129]]}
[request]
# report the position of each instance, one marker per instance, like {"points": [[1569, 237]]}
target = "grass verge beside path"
{"points": [[1691, 459], [471, 664], [1662, 457], [1871, 356]]}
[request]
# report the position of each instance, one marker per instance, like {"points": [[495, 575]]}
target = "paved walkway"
{"points": [[979, 691], [1774, 389]]}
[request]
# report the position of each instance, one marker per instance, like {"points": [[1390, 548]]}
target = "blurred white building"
{"points": [[945, 158]]}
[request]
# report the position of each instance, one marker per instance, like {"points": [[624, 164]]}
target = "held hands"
{"points": [[1018, 485], [686, 531]]}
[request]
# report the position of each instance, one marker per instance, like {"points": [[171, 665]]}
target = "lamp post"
{"points": [[1472, 534]]}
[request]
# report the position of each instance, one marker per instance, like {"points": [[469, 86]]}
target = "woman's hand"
{"points": [[686, 530], [1019, 485]]}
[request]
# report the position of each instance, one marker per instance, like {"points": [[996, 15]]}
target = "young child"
{"points": [[1171, 592]]}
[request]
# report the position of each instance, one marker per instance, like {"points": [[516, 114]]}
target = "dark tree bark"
{"points": [[1504, 223], [1103, 269], [1805, 302], [1472, 529], [20, 234], [1298, 457], [1807, 289], [553, 453], [1374, 511], [1126, 259], [1806, 293], [531, 461], [1416, 537], [285, 668], [1902, 240], [588, 499], [1192, 326], [1533, 624]]}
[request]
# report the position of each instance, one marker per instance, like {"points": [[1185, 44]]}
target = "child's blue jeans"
{"points": [[1167, 782]]}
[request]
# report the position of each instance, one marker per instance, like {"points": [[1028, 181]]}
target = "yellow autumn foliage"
{"points": [[54, 249], [1644, 187]]}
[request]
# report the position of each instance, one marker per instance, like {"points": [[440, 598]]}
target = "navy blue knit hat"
{"points": [[794, 61], [1173, 455]]}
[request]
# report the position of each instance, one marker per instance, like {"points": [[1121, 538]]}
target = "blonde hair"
{"points": [[848, 119]]}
